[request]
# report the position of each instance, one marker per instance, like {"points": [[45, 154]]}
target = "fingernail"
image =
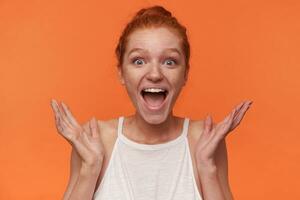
{"points": [[54, 102]]}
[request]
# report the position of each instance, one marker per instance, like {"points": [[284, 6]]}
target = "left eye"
{"points": [[170, 62]]}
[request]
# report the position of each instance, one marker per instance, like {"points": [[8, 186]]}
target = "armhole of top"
{"points": [[185, 126], [120, 125], [192, 168], [109, 162]]}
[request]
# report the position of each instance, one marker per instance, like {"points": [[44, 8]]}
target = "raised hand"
{"points": [[212, 134], [87, 143]]}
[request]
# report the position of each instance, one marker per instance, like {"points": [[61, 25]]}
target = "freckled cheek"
{"points": [[176, 80], [131, 83]]}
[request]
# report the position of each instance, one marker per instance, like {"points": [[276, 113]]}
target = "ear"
{"points": [[120, 73]]}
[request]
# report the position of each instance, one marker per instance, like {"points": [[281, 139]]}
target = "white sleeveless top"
{"points": [[149, 172]]}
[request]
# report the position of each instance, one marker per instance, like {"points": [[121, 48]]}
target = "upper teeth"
{"points": [[154, 90]]}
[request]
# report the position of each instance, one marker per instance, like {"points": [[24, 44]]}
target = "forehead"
{"points": [[154, 40]]}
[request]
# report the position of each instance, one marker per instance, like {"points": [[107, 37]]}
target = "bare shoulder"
{"points": [[108, 135], [195, 129], [108, 131]]}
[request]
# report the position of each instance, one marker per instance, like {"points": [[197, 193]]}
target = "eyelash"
{"points": [[174, 60], [139, 58], [135, 59]]}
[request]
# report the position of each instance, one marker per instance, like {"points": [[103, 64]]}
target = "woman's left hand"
{"points": [[212, 134]]}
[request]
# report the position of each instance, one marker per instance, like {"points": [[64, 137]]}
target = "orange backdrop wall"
{"points": [[65, 50]]}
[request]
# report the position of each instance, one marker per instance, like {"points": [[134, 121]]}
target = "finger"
{"points": [[207, 124], [87, 129], [237, 109], [55, 109], [58, 120], [244, 103], [69, 115], [231, 115], [229, 123], [207, 131], [63, 129], [61, 124], [241, 115], [239, 106], [56, 106], [63, 115], [245, 107], [86, 139], [81, 145], [94, 128], [234, 111], [223, 129]]}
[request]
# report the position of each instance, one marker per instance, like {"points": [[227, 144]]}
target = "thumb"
{"points": [[207, 126], [94, 128]]}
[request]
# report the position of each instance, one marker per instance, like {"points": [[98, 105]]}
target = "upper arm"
{"points": [[222, 168]]}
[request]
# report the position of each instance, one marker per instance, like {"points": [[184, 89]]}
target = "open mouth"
{"points": [[154, 97]]}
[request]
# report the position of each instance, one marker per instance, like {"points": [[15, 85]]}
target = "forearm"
{"points": [[211, 186], [85, 185], [225, 186]]}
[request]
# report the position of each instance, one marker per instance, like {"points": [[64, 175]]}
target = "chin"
{"points": [[155, 119]]}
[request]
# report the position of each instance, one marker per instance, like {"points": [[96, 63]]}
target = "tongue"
{"points": [[154, 99]]}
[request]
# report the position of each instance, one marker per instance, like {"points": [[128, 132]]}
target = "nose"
{"points": [[154, 74]]}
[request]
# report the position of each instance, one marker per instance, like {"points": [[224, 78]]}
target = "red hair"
{"points": [[155, 16]]}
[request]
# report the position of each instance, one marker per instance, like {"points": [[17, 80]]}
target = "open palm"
{"points": [[212, 134], [87, 143]]}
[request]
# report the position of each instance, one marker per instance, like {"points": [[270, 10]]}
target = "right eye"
{"points": [[138, 61]]}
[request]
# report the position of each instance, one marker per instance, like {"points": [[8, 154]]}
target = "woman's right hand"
{"points": [[87, 143]]}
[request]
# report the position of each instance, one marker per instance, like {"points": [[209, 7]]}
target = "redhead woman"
{"points": [[151, 154]]}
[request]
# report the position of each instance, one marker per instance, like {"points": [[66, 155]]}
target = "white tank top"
{"points": [[149, 172]]}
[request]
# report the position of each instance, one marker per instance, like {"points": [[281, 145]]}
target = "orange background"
{"points": [[65, 50]]}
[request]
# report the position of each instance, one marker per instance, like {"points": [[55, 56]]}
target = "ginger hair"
{"points": [[155, 16]]}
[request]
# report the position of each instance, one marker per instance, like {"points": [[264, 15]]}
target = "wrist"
{"points": [[91, 169], [207, 167], [89, 172], [205, 170]]}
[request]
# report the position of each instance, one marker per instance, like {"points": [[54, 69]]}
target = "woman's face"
{"points": [[153, 72]]}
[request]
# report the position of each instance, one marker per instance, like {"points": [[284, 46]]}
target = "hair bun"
{"points": [[154, 16], [154, 10]]}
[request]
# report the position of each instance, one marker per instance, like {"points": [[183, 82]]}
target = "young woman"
{"points": [[152, 154]]}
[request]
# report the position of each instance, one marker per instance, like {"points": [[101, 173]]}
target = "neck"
{"points": [[144, 132]]}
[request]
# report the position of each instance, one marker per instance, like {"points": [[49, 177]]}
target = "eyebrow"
{"points": [[168, 49]]}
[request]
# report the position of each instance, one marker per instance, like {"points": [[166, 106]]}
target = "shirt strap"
{"points": [[185, 126], [120, 125]]}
